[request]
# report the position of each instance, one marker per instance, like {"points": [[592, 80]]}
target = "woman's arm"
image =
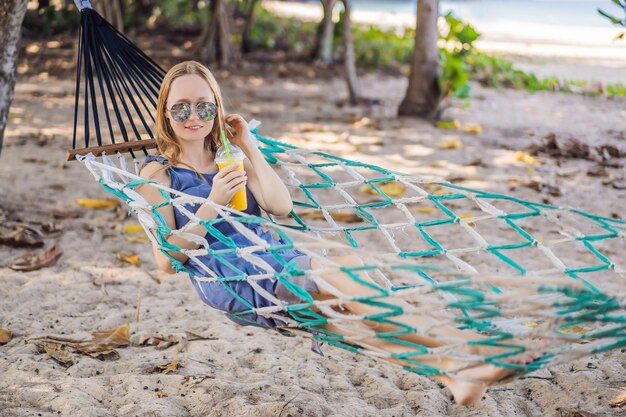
{"points": [[266, 186], [225, 184]]}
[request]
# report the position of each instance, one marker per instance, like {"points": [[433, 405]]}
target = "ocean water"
{"points": [[501, 12]]}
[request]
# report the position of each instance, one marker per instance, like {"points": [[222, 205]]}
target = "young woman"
{"points": [[189, 122]]}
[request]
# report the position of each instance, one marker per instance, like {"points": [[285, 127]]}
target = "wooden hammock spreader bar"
{"points": [[112, 149]]}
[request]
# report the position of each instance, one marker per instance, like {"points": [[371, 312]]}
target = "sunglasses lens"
{"points": [[206, 111], [181, 112]]}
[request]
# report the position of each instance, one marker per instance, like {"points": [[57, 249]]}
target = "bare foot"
{"points": [[469, 385]]}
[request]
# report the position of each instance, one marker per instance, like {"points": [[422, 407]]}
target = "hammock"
{"points": [[476, 260]]}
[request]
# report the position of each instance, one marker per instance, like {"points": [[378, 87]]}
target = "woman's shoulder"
{"points": [[159, 159], [152, 168]]}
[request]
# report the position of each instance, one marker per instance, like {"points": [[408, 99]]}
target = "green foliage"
{"points": [[180, 13], [274, 33], [52, 21], [615, 20], [375, 47], [459, 38]]}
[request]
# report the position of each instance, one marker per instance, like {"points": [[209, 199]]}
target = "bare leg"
{"points": [[467, 387]]}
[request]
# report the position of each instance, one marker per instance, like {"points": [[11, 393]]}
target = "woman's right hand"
{"points": [[226, 183]]}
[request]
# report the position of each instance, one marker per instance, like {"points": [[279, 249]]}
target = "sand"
{"points": [[247, 371]]}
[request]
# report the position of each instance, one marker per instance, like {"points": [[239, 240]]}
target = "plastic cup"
{"points": [[240, 199]]}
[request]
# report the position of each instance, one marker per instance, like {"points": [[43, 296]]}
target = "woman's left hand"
{"points": [[239, 133]]}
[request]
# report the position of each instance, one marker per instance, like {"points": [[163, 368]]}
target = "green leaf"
{"points": [[463, 91], [613, 20]]}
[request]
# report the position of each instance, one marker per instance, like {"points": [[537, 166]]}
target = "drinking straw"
{"points": [[225, 142]]}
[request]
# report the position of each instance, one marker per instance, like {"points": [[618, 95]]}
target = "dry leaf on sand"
{"points": [[521, 156], [34, 261], [131, 259], [137, 239], [19, 235], [102, 345], [165, 369], [390, 188], [473, 128], [5, 335], [450, 143], [619, 401], [132, 228], [156, 339], [97, 204], [58, 352], [338, 216]]}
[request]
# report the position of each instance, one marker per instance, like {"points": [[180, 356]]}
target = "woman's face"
{"points": [[190, 88]]}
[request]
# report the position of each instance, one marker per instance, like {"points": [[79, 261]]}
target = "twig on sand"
{"points": [[286, 404]]}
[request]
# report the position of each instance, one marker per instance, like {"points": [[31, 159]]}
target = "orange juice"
{"points": [[224, 158], [239, 200]]}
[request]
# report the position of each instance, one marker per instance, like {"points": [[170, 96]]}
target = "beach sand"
{"points": [[245, 371]]}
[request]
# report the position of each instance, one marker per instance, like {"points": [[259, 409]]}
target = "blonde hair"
{"points": [[166, 140]]}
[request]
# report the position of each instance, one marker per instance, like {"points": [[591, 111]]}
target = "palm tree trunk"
{"points": [[112, 12], [11, 16], [354, 87], [323, 49], [248, 12], [214, 43], [423, 93]]}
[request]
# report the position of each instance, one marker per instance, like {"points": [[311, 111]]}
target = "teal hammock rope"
{"points": [[576, 315]]}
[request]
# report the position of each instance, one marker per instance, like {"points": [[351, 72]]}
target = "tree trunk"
{"points": [[354, 87], [323, 49], [112, 12], [423, 93], [214, 43], [248, 14], [11, 16]]}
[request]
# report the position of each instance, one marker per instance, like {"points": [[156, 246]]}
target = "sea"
{"points": [[500, 12]]}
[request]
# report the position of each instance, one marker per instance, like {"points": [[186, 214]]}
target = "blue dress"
{"points": [[225, 295]]}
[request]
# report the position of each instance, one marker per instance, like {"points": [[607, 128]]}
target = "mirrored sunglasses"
{"points": [[181, 112]]}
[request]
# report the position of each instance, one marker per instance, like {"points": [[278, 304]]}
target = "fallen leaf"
{"points": [[521, 156], [390, 188], [131, 259], [97, 204], [5, 335], [161, 394], [102, 344], [473, 128], [425, 210], [57, 352], [168, 368], [598, 171], [574, 329], [529, 324], [117, 336], [132, 228], [156, 339], [137, 239], [619, 401], [34, 261], [65, 214], [467, 216], [449, 124], [19, 235], [450, 143], [314, 214]]}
